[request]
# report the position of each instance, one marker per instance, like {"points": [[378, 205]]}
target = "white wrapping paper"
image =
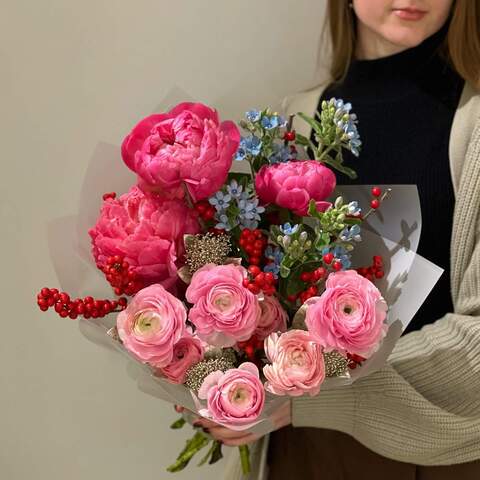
{"points": [[393, 232]]}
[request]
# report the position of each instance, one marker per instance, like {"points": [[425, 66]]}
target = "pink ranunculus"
{"points": [[297, 365], [146, 230], [234, 398], [186, 352], [293, 184], [153, 322], [273, 318], [349, 315], [187, 144], [224, 311]]}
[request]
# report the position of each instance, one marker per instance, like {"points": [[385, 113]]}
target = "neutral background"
{"points": [[73, 73]]}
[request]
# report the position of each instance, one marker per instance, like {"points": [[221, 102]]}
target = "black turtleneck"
{"points": [[405, 104]]}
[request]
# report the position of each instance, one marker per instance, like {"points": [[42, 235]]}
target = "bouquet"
{"points": [[237, 291]]}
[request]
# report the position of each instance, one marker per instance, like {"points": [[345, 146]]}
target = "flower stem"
{"points": [[245, 458], [196, 443]]}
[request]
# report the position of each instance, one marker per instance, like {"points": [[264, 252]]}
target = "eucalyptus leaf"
{"points": [[178, 423]]}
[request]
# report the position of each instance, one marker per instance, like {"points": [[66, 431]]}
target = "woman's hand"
{"points": [[232, 438]]}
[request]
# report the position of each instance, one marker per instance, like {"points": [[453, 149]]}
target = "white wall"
{"points": [[73, 74]]}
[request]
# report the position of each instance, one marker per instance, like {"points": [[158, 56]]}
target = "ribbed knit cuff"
{"points": [[334, 409]]}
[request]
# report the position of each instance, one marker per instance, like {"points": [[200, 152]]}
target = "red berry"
{"points": [[376, 191], [375, 204], [379, 274], [246, 282], [328, 258], [292, 298], [254, 270], [88, 300], [44, 308], [63, 313], [260, 279], [270, 277], [209, 213], [257, 233], [254, 288], [306, 276], [313, 290], [45, 292], [122, 301], [42, 303], [289, 136], [254, 260], [201, 208], [337, 265], [319, 273], [249, 350], [73, 315]]}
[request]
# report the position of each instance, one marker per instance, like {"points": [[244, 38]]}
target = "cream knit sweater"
{"points": [[423, 407]]}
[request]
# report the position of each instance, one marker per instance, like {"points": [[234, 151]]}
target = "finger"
{"points": [[236, 442], [226, 433], [204, 423]]}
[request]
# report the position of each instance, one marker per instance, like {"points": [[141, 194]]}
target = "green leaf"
{"points": [[217, 453], [312, 209], [295, 284], [245, 459], [322, 241], [304, 141], [312, 122], [352, 221], [284, 271], [178, 423], [203, 461], [195, 444], [340, 167]]}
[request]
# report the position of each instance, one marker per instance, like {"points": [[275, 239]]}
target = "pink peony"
{"points": [[349, 315], [152, 323], [187, 144], [186, 352], [234, 398], [293, 184], [147, 231], [273, 318], [224, 311], [297, 364]]}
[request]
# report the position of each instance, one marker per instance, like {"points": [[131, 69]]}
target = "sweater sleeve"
{"points": [[423, 407]]}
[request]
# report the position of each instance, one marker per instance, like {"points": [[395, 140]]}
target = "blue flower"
{"points": [[224, 223], [276, 255], [354, 209], [281, 154], [241, 154], [220, 201], [252, 145], [234, 189], [349, 234], [288, 229], [271, 121], [249, 210], [253, 115]]}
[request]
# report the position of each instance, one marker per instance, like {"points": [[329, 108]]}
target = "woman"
{"points": [[411, 69]]}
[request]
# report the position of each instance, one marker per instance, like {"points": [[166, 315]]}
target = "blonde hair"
{"points": [[461, 47]]}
